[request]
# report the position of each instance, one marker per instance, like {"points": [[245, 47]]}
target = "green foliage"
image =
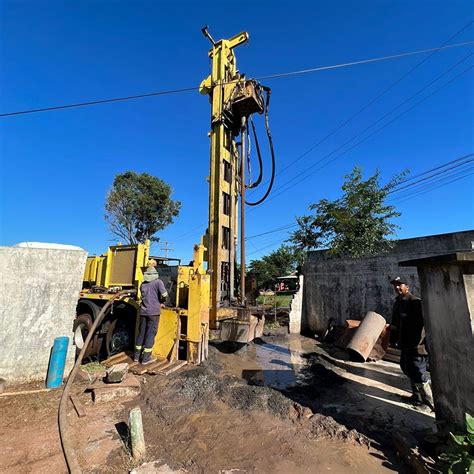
{"points": [[357, 224], [280, 262], [280, 301], [459, 453], [138, 206]]}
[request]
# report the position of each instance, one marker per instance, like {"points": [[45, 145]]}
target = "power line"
{"points": [[436, 168], [430, 176], [375, 122], [415, 184], [265, 247], [370, 135], [101, 101], [188, 89], [202, 227], [434, 188], [374, 100], [364, 61], [272, 231], [432, 183]]}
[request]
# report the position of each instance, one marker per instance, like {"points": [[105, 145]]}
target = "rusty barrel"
{"points": [[366, 335]]}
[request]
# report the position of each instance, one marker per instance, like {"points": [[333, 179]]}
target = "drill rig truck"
{"points": [[200, 299]]}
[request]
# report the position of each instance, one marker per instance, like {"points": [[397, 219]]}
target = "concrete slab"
{"points": [[129, 388]]}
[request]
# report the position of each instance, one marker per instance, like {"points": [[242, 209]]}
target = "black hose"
{"points": [[66, 443], [260, 162], [270, 141]]}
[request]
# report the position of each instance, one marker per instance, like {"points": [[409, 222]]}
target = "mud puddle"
{"points": [[271, 361], [235, 413]]}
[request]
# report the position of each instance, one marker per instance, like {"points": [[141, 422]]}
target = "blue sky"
{"points": [[56, 167]]}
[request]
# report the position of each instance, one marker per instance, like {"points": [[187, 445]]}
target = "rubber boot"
{"points": [[415, 398], [426, 394]]}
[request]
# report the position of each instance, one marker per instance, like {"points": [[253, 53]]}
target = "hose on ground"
{"points": [[67, 445]]}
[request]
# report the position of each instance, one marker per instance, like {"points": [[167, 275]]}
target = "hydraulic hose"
{"points": [[270, 141], [260, 162], [69, 454]]}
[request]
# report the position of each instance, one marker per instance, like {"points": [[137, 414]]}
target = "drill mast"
{"points": [[224, 180]]}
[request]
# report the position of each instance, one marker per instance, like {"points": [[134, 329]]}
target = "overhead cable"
{"points": [[188, 89], [465, 159], [364, 61], [411, 196], [272, 231], [374, 100], [101, 101], [432, 175], [305, 175], [415, 176]]}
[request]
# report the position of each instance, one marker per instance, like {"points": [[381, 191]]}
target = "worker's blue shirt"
{"points": [[153, 294]]}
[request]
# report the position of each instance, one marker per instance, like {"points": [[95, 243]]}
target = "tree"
{"points": [[280, 262], [138, 206], [357, 224]]}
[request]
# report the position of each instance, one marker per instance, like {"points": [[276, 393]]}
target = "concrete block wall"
{"points": [[296, 309], [447, 285], [39, 289], [346, 288]]}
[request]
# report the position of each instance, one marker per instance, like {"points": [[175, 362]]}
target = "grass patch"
{"points": [[93, 367], [278, 300], [272, 324]]}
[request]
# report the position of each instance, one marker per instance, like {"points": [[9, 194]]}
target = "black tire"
{"points": [[81, 327], [119, 337]]}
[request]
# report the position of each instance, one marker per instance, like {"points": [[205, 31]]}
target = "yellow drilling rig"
{"points": [[200, 298]]}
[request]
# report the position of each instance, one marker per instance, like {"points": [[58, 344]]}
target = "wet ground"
{"points": [[280, 404], [367, 397]]}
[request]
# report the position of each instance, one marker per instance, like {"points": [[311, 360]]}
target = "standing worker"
{"points": [[408, 326], [153, 296]]}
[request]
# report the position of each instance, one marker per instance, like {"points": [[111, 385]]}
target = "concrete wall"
{"points": [[344, 288], [296, 309], [447, 289], [39, 288]]}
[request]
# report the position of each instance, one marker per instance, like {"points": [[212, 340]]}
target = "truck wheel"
{"points": [[119, 338], [81, 327]]}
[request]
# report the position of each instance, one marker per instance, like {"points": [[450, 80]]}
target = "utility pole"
{"points": [[166, 249], [221, 238]]}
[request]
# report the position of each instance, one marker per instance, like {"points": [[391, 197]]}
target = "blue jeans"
{"points": [[414, 366]]}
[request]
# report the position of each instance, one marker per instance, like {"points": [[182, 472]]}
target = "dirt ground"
{"points": [[279, 405]]}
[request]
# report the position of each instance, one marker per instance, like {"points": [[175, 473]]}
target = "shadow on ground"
{"points": [[365, 397]]}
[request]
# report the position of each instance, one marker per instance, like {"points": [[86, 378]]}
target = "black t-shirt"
{"points": [[408, 320]]}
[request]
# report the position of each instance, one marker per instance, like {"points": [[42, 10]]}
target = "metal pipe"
{"points": [[234, 160], [242, 209]]}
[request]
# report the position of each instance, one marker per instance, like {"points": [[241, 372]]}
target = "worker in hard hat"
{"points": [[153, 297]]}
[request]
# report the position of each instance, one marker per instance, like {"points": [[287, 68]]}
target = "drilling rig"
{"points": [[234, 99], [199, 299]]}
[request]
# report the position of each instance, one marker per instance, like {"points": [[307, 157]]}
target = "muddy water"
{"points": [[273, 364], [208, 423]]}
